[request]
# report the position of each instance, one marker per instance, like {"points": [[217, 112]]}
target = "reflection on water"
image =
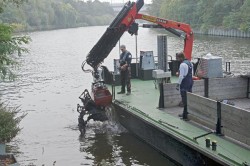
{"points": [[98, 143], [119, 149], [50, 81]]}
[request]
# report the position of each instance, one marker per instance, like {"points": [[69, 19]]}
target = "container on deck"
{"points": [[210, 66]]}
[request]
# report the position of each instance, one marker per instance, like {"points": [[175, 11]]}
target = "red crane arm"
{"points": [[189, 38], [130, 17]]}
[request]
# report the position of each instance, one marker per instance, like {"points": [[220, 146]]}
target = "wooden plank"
{"points": [[204, 113], [219, 89], [223, 81], [236, 119], [170, 85], [171, 92], [201, 100], [198, 83], [227, 85], [201, 118], [202, 121], [237, 127], [199, 93], [236, 136], [198, 87], [226, 95], [236, 111], [172, 97], [224, 88], [170, 89], [202, 108], [227, 88], [233, 127]]}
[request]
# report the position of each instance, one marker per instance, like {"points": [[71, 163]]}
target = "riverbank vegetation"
{"points": [[205, 14], [11, 46], [56, 14], [9, 122]]}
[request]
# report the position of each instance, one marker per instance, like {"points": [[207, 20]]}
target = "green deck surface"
{"points": [[143, 102]]}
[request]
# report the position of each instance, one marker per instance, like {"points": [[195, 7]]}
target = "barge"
{"points": [[199, 141], [217, 132]]}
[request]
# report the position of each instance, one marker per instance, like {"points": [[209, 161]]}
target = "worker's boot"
{"points": [[128, 93], [121, 92]]}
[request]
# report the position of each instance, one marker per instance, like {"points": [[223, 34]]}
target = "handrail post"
{"points": [[206, 87], [218, 124]]}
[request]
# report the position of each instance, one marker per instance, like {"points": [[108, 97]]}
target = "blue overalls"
{"points": [[187, 82], [186, 86]]}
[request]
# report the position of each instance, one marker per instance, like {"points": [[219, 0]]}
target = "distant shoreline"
{"points": [[212, 31]]}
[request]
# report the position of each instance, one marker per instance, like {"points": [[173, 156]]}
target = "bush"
{"points": [[9, 122]]}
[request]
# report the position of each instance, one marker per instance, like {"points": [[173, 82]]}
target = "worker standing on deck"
{"points": [[185, 81], [125, 70]]}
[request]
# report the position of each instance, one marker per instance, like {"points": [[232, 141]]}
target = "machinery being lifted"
{"points": [[94, 104]]}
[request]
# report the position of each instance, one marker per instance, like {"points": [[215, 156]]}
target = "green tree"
{"points": [[239, 19], [205, 14], [9, 46], [3, 3], [51, 14], [155, 7]]}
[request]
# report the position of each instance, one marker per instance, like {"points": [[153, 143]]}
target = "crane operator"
{"points": [[125, 70]]}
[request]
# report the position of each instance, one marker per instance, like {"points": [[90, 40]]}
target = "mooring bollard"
{"points": [[214, 145], [207, 142]]}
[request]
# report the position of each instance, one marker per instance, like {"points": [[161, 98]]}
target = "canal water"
{"points": [[50, 80]]}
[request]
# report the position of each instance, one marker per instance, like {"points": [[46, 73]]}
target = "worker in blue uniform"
{"points": [[125, 70], [185, 81]]}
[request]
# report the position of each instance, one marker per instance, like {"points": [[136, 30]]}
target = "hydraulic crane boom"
{"points": [[126, 20], [107, 42], [171, 26]]}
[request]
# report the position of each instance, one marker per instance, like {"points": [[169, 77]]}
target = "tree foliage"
{"points": [[232, 14], [10, 46], [52, 14], [3, 3], [239, 18], [9, 122]]}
